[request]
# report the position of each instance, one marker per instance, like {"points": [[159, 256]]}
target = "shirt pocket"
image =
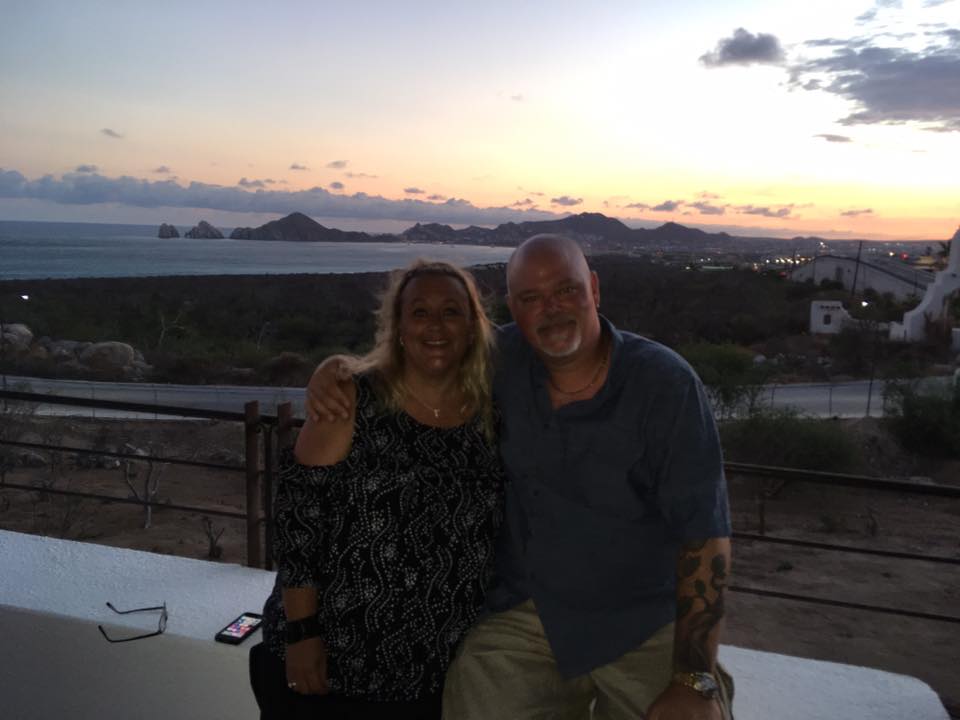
{"points": [[612, 478]]}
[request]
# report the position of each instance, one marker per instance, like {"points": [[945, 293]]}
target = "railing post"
{"points": [[761, 508], [284, 425], [254, 491], [269, 461]]}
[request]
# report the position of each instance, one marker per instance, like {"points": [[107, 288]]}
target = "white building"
{"points": [[828, 317], [881, 275], [934, 303]]}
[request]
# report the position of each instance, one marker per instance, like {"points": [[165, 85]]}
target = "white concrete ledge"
{"points": [[55, 664]]}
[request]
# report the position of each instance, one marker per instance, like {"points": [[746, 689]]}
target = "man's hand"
{"points": [[307, 667], [682, 703], [326, 398]]}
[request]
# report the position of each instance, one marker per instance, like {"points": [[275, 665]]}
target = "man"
{"points": [[612, 565]]}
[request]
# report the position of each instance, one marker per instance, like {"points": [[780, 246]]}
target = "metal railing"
{"points": [[784, 475], [258, 467]]}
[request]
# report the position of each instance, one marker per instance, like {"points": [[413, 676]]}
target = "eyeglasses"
{"points": [[161, 625]]}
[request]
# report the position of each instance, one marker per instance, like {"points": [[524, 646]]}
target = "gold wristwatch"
{"points": [[702, 682]]}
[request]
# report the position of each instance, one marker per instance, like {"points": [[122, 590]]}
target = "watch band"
{"points": [[703, 683], [302, 629]]}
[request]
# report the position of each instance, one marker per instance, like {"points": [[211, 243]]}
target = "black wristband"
{"points": [[302, 629]]}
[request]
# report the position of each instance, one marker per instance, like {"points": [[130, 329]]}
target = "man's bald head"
{"points": [[553, 297], [544, 245]]}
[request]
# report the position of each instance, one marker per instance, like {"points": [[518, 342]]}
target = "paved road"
{"points": [[848, 399]]}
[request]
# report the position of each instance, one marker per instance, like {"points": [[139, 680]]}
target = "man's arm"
{"points": [[327, 398], [701, 586], [702, 571]]}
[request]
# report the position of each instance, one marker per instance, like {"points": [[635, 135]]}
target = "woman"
{"points": [[385, 522]]}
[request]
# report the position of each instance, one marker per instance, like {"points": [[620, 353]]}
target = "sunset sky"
{"points": [[832, 117]]}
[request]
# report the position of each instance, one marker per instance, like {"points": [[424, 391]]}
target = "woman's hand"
{"points": [[307, 667], [326, 398]]}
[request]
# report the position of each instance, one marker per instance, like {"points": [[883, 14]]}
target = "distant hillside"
{"points": [[297, 227], [595, 231]]}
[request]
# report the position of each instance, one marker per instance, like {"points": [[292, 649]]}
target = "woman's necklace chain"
{"points": [[436, 411], [596, 376]]}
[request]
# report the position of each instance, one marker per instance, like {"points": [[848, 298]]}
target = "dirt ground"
{"points": [[926, 649]]}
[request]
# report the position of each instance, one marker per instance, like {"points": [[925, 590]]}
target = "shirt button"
{"points": [[536, 493]]}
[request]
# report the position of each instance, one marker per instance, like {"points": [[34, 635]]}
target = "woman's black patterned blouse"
{"points": [[398, 539]]}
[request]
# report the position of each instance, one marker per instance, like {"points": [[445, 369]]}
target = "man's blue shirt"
{"points": [[602, 493]]}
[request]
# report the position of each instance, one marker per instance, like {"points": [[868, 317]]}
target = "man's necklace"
{"points": [[436, 411], [596, 376]]}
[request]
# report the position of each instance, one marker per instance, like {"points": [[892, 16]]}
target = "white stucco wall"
{"points": [[903, 282], [823, 310], [54, 663]]}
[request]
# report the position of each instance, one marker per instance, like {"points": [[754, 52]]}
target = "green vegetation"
{"points": [[924, 421], [785, 438], [237, 328], [730, 374]]}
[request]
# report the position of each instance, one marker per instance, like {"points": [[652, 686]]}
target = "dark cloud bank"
{"points": [[92, 188]]}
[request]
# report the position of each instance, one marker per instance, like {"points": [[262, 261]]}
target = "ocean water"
{"points": [[30, 250]]}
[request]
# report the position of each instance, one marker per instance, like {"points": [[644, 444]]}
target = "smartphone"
{"points": [[240, 629]]}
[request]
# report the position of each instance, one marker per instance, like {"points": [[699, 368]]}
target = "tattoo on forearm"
{"points": [[700, 609]]}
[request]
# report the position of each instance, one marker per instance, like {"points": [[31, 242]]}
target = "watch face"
{"points": [[707, 686], [702, 683]]}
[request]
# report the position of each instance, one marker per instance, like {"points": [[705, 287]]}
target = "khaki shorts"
{"points": [[505, 670]]}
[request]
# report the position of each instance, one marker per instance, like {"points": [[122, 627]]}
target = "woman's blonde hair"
{"points": [[386, 358]]}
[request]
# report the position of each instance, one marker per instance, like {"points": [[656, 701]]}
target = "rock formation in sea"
{"points": [[204, 231], [167, 231]]}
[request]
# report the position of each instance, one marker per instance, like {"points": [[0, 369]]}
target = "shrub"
{"points": [[784, 438], [729, 373], [924, 421]]}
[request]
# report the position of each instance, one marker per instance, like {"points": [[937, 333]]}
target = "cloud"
{"points": [[413, 191], [890, 85], [667, 206], [745, 48], [526, 202], [111, 134], [765, 211], [335, 185], [86, 169], [298, 166], [566, 201], [162, 170], [855, 213], [243, 182], [704, 195], [437, 198], [360, 175], [90, 189], [829, 137], [706, 208], [337, 164], [517, 98], [637, 206]]}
